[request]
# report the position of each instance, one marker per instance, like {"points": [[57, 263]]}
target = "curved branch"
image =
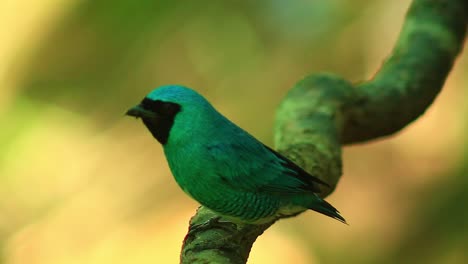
{"points": [[432, 36], [324, 111]]}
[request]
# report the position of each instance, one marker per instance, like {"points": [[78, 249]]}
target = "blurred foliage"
{"points": [[438, 230], [79, 183], [98, 42]]}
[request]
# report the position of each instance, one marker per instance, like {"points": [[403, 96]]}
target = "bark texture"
{"points": [[323, 112]]}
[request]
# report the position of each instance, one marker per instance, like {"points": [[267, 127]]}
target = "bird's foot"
{"points": [[212, 223]]}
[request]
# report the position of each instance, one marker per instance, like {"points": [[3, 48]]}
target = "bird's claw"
{"points": [[214, 222]]}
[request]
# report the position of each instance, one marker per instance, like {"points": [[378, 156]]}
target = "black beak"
{"points": [[139, 112]]}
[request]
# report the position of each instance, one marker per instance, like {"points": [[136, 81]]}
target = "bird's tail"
{"points": [[327, 209]]}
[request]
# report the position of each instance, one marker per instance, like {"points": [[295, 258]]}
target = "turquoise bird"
{"points": [[222, 166]]}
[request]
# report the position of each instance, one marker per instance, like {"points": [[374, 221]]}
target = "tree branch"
{"points": [[324, 111]]}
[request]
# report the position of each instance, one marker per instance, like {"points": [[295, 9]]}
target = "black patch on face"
{"points": [[161, 125]]}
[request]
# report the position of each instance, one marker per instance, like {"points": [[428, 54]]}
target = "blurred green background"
{"points": [[81, 183]]}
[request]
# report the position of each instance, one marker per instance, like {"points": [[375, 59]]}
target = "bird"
{"points": [[222, 166]]}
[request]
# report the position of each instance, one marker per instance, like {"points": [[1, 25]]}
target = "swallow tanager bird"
{"points": [[222, 166]]}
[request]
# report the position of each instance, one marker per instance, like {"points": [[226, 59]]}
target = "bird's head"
{"points": [[171, 111]]}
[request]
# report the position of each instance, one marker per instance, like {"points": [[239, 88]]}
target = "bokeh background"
{"points": [[81, 183]]}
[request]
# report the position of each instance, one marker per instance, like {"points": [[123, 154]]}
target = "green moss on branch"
{"points": [[324, 111]]}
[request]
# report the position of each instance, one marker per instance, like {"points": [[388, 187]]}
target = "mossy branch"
{"points": [[322, 112]]}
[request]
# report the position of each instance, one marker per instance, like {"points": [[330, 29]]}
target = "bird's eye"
{"points": [[148, 104], [169, 108], [160, 107]]}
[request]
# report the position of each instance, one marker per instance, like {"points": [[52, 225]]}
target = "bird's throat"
{"points": [[159, 128]]}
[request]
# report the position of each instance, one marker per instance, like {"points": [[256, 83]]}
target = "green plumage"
{"points": [[222, 166]]}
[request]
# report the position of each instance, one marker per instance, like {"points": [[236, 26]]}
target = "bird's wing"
{"points": [[256, 167], [297, 172]]}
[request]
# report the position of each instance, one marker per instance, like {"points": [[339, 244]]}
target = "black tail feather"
{"points": [[327, 209]]}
